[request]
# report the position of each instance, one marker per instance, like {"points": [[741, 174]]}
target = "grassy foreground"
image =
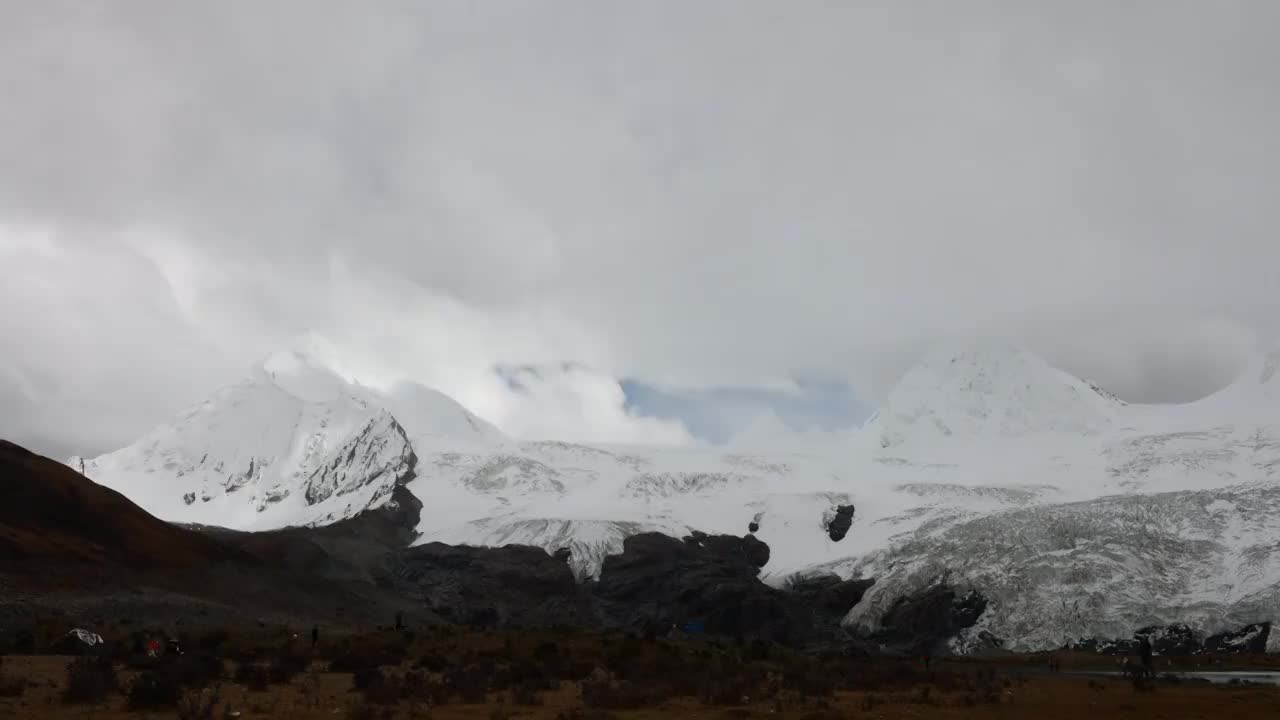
{"points": [[451, 673]]}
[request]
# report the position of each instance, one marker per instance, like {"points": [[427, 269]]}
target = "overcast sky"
{"points": [[690, 196]]}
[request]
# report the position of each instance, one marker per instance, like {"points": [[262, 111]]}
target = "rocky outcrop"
{"points": [[1182, 640], [925, 622], [830, 593], [1171, 640], [712, 581], [1250, 639], [840, 522], [514, 585]]}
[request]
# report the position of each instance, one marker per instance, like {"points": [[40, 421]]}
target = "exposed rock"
{"points": [[713, 580], [838, 526], [1250, 639], [1171, 640], [515, 585], [927, 621], [831, 593], [1181, 640]]}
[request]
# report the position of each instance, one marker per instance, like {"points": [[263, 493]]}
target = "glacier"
{"points": [[1073, 513]]}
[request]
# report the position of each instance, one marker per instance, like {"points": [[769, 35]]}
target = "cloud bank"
{"points": [[692, 195]]}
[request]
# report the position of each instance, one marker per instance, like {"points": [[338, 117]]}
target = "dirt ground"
{"points": [[319, 694]]}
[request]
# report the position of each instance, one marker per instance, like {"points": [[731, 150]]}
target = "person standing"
{"points": [[1144, 654], [315, 636]]}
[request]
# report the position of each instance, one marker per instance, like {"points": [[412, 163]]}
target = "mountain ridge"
{"points": [[977, 436]]}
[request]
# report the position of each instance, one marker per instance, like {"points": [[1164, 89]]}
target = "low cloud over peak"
{"points": [[691, 196]]}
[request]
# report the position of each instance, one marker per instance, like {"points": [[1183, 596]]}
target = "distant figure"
{"points": [[926, 661], [315, 636], [1144, 653], [399, 620]]}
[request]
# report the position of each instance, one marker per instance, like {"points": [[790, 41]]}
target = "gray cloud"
{"points": [[688, 193]]}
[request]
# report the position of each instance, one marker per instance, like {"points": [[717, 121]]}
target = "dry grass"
{"points": [[567, 676]]}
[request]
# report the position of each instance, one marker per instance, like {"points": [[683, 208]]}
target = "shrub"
{"points": [[198, 705], [10, 687], [198, 671], [90, 680], [365, 657], [286, 667], [433, 662], [155, 689], [213, 640], [366, 678], [471, 683], [526, 694], [621, 695], [417, 686], [252, 676], [362, 711]]}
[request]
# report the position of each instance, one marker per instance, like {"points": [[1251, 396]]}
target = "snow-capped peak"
{"points": [[990, 391], [292, 444], [304, 376]]}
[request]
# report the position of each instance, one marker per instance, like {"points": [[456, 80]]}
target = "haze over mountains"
{"points": [[1074, 513]]}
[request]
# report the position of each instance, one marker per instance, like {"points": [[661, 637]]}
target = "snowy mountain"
{"points": [[983, 393], [292, 444], [1073, 513]]}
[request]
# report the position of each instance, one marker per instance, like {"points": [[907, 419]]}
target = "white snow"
{"points": [[1074, 512]]}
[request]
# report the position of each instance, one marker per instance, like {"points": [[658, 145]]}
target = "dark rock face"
{"points": [[513, 585], [1250, 639], [1181, 640], [839, 525], [831, 593], [1171, 640], [713, 580], [923, 623]]}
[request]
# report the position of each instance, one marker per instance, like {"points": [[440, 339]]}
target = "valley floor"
{"points": [[527, 676]]}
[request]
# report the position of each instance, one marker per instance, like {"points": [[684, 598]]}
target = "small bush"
{"points": [[11, 687], [286, 667], [198, 671], [579, 713], [90, 680], [252, 676], [213, 640], [198, 705], [366, 678], [417, 686], [362, 711], [471, 683], [366, 657], [622, 695], [155, 689], [386, 692], [526, 694], [432, 662]]}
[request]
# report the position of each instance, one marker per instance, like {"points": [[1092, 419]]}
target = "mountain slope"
{"points": [[985, 393], [982, 461], [291, 444], [1097, 569], [48, 512]]}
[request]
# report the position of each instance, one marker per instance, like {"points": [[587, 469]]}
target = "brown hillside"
{"points": [[49, 512]]}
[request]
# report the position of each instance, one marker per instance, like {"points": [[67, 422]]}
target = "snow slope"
{"points": [[292, 444], [1074, 513]]}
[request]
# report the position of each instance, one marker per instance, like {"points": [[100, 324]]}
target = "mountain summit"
{"points": [[292, 444], [989, 392]]}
